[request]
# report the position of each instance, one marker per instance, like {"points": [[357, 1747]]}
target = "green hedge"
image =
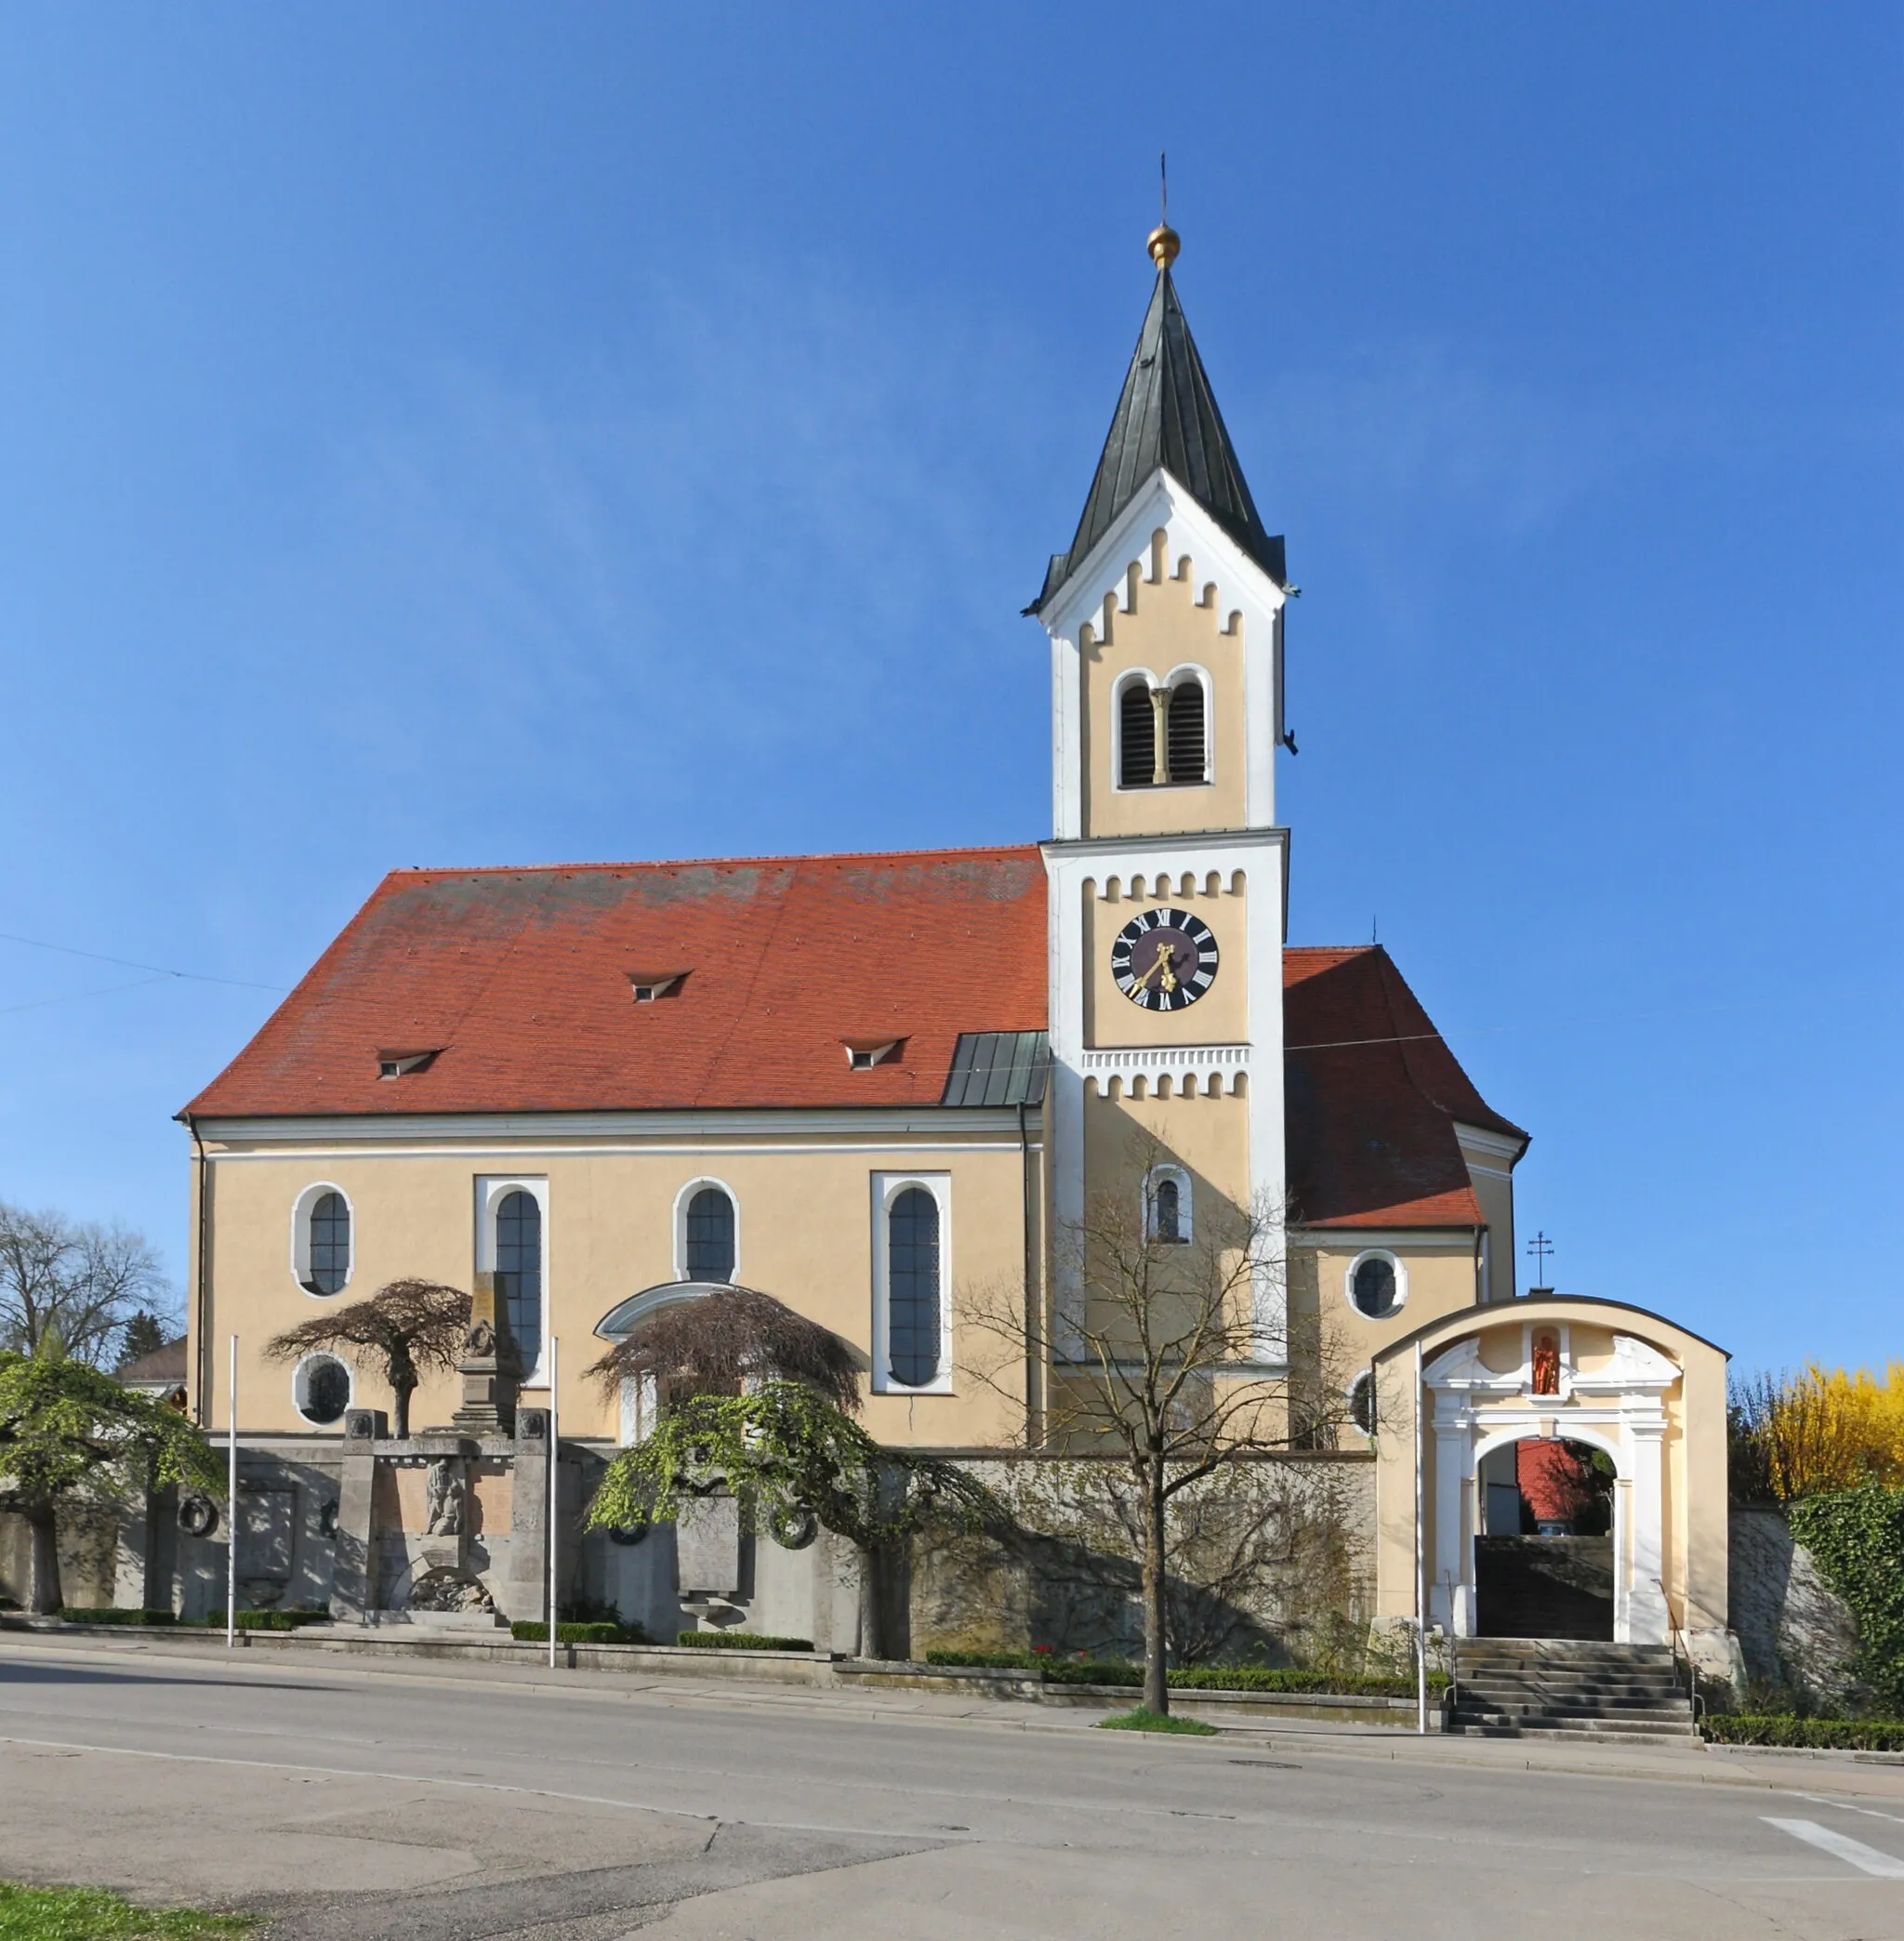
{"points": [[740, 1641], [1189, 1677], [113, 1614], [1785, 1729], [534, 1630]]}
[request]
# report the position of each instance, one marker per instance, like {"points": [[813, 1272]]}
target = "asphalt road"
{"points": [[351, 1802]]}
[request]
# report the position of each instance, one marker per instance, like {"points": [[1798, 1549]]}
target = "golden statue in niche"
{"points": [[1546, 1365]]}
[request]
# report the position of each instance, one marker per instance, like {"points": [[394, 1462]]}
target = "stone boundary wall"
{"points": [[1797, 1637]]}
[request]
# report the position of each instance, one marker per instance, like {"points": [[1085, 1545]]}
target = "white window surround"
{"points": [[1186, 1221], [301, 1209], [681, 1222], [1189, 670], [1401, 1282], [300, 1383], [492, 1189], [886, 1188]]}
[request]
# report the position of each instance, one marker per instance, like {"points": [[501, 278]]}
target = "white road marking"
{"points": [[1841, 1846], [1896, 1819]]}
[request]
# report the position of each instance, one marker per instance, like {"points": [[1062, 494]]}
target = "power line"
{"points": [[158, 971], [138, 983]]}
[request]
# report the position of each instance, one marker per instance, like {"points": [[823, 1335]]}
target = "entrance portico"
{"points": [[1599, 1373]]}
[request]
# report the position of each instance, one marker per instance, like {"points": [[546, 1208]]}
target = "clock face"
{"points": [[1164, 960]]}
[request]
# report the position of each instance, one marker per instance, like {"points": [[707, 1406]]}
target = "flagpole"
{"points": [[554, 1488], [1420, 1566], [232, 1505]]}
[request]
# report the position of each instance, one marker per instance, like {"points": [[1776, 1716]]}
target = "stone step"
{"points": [[1561, 1722], [1592, 1687], [1551, 1651], [1568, 1702], [1590, 1736]]}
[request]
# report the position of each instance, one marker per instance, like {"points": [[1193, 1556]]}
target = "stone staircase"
{"points": [[1567, 1689]]}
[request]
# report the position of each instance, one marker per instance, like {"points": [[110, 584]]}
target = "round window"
{"points": [[1362, 1402], [323, 1390], [1374, 1286]]}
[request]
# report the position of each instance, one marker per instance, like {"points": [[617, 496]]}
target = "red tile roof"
{"points": [[523, 978], [1373, 1095]]}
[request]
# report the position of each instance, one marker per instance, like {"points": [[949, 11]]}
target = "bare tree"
{"points": [[409, 1326], [1161, 1358], [75, 1282]]}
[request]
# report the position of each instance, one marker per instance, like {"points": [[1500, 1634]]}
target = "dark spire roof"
{"points": [[1167, 419]]}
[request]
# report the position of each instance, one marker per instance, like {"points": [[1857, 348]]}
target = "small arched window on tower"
{"points": [[518, 1272], [327, 1244], [709, 1250], [1166, 1207], [1136, 737], [1186, 740]]}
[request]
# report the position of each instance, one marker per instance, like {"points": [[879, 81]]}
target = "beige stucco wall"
{"points": [[806, 1234], [1693, 1486], [1168, 627], [1333, 1335]]}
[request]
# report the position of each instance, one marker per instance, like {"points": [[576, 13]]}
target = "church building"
{"points": [[866, 1083]]}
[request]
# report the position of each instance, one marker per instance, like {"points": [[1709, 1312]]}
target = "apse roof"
{"points": [[1166, 419]]}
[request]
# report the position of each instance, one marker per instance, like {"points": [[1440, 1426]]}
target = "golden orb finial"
{"points": [[1163, 244]]}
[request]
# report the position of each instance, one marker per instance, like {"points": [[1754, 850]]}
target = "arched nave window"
{"points": [[518, 1271], [708, 1250]]}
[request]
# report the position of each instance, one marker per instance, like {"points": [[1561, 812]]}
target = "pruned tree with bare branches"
{"points": [[78, 1283], [718, 1344], [408, 1326], [1163, 1356]]}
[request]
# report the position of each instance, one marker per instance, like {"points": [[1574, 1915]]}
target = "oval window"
{"points": [[1374, 1286]]}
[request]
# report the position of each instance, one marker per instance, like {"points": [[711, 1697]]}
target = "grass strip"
{"points": [[1138, 1720], [88, 1914]]}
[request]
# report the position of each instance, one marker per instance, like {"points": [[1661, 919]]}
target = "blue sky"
{"points": [[480, 434]]}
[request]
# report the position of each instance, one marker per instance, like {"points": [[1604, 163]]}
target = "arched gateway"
{"points": [[1598, 1373]]}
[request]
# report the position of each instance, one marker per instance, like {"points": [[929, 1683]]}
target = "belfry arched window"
{"points": [[1185, 732], [518, 1271], [1136, 737], [708, 1253]]}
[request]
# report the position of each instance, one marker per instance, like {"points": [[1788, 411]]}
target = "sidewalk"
{"points": [[1873, 1776]]}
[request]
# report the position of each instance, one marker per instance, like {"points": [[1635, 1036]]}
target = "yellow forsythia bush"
{"points": [[1820, 1430]]}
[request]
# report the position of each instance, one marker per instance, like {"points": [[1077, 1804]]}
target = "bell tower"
{"points": [[1168, 869]]}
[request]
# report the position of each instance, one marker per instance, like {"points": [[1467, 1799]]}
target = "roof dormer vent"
{"points": [[863, 1054], [648, 986], [399, 1064]]}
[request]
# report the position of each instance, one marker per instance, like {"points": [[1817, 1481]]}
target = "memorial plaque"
{"points": [[707, 1546]]}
